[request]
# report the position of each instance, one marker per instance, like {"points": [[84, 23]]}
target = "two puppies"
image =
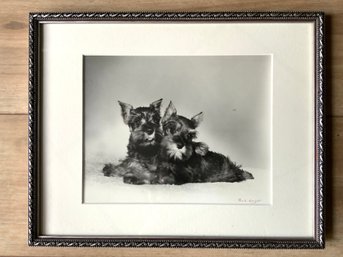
{"points": [[164, 151]]}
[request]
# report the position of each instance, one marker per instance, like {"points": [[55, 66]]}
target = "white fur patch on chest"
{"points": [[175, 153]]}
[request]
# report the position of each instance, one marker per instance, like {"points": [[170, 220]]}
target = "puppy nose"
{"points": [[180, 145], [149, 131]]}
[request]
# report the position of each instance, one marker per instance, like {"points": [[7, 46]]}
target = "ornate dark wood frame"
{"points": [[35, 239]]}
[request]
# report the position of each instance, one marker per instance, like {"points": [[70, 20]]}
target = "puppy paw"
{"points": [[130, 178], [108, 170], [167, 180]]}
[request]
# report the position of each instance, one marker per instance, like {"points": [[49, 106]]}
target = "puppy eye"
{"points": [[136, 124], [170, 131], [191, 136]]}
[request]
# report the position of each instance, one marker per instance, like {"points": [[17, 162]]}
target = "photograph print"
{"points": [[178, 129]]}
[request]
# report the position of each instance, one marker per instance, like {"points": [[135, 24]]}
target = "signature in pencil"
{"points": [[250, 201]]}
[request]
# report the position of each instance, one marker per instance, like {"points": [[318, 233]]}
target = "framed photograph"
{"points": [[176, 129]]}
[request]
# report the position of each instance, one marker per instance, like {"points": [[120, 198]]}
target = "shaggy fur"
{"points": [[181, 160], [144, 143]]}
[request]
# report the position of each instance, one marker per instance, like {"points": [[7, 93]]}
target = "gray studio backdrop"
{"points": [[234, 92]]}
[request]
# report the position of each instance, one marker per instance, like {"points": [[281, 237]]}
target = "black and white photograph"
{"points": [[177, 129]]}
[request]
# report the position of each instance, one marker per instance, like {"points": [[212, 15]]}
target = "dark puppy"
{"points": [[144, 144], [182, 160]]}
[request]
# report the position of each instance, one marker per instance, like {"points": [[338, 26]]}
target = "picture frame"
{"points": [[58, 109]]}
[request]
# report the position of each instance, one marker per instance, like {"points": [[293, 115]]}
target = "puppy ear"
{"points": [[156, 106], [197, 119], [201, 148], [125, 111], [170, 111]]}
